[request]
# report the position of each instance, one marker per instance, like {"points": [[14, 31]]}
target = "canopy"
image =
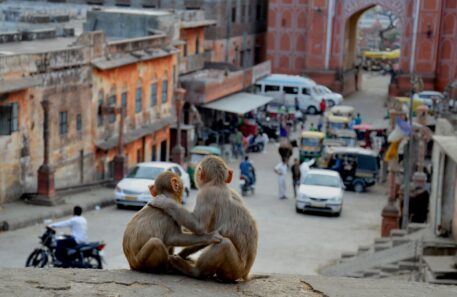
{"points": [[239, 103]]}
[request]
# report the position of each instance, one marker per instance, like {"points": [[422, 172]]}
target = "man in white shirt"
{"points": [[78, 226], [281, 171]]}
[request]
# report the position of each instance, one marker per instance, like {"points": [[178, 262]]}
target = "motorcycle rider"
{"points": [[78, 226], [247, 169]]}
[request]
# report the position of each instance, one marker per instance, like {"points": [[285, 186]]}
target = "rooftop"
{"points": [[128, 10], [36, 46]]}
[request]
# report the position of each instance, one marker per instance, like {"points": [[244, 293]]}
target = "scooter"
{"points": [[86, 255], [246, 186]]}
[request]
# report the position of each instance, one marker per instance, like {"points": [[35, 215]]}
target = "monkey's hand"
{"points": [[216, 237]]}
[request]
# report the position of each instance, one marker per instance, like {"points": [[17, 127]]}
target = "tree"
{"points": [[383, 33]]}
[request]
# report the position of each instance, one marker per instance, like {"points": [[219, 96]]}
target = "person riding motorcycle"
{"points": [[78, 226], [247, 169]]}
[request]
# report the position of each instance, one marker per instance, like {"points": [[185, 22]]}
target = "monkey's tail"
{"points": [[255, 276]]}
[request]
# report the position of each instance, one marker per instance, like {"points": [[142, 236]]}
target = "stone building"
{"points": [[318, 39], [238, 36], [134, 65]]}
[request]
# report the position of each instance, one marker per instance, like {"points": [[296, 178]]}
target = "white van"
{"points": [[291, 90]]}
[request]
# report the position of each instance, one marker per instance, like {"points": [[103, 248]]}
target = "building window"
{"points": [[138, 106], [112, 103], [234, 14], [197, 46], [258, 12], [185, 50], [78, 122], [124, 101], [8, 119], [139, 156], [154, 153], [164, 90], [153, 94], [63, 123]]}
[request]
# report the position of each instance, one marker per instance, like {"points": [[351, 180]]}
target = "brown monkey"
{"points": [[151, 234], [218, 208]]}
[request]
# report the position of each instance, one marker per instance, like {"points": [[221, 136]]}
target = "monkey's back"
{"points": [[234, 221], [147, 223]]}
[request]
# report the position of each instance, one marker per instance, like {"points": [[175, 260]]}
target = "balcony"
{"points": [[194, 62]]}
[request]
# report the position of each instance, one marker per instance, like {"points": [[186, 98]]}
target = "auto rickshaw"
{"points": [[196, 155], [343, 111], [346, 136], [406, 100], [311, 145], [334, 123], [367, 136], [358, 167]]}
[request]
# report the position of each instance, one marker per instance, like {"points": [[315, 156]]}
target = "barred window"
{"points": [[63, 123], [153, 94], [9, 118], [138, 98], [164, 91]]}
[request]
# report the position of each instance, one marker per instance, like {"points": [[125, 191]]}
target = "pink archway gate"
{"points": [[425, 40]]}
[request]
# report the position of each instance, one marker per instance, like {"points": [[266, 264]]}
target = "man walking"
{"points": [[281, 171], [296, 175]]}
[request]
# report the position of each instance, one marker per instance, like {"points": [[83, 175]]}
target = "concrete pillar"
{"points": [[177, 153]]}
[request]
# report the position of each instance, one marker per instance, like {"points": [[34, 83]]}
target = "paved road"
{"points": [[288, 243]]}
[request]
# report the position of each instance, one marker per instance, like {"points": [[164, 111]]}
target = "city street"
{"points": [[288, 242]]}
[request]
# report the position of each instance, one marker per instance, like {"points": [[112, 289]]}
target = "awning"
{"points": [[239, 103], [14, 85]]}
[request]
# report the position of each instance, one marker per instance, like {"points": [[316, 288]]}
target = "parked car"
{"points": [[321, 190], [426, 97], [133, 190], [292, 91], [331, 98]]}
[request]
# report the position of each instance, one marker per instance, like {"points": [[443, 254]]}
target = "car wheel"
{"points": [[359, 187], [298, 210], [330, 103], [120, 206], [337, 214], [311, 110]]}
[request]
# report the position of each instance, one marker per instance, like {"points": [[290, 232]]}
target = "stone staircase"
{"points": [[396, 255]]}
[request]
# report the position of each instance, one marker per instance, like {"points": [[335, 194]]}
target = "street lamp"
{"points": [[178, 151]]}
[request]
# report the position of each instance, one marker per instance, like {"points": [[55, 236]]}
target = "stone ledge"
{"points": [[72, 282]]}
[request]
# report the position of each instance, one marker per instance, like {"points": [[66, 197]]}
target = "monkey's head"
{"points": [[169, 184], [213, 169]]}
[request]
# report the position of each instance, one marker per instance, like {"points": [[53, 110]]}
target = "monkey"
{"points": [[217, 208], [151, 234]]}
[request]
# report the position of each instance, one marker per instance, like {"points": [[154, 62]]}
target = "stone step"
{"points": [[398, 233], [382, 240], [356, 275], [389, 268], [382, 246], [414, 227], [347, 255], [371, 272], [408, 265], [396, 241], [363, 249]]}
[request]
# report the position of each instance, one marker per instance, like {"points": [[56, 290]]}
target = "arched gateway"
{"points": [[317, 38]]}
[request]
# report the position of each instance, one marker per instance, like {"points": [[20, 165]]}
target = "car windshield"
{"points": [[326, 90], [144, 172], [333, 125], [196, 158], [310, 141], [321, 180]]}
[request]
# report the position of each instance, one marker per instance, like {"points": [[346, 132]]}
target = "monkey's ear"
{"points": [[153, 190], [229, 176], [174, 184]]}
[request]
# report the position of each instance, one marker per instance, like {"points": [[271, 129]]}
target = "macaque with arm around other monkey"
{"points": [[218, 208], [151, 234]]}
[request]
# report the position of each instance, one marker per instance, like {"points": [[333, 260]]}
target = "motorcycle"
{"points": [[85, 255], [246, 185]]}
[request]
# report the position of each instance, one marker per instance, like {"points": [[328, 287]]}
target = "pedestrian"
{"points": [[78, 226], [281, 171], [311, 127], [323, 106], [320, 123], [237, 143], [296, 175], [358, 119]]}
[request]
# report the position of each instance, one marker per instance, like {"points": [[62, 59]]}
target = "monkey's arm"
{"points": [[192, 221], [186, 252], [181, 239]]}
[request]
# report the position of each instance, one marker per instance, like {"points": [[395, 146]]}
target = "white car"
{"points": [[331, 98], [427, 97], [133, 190], [321, 190]]}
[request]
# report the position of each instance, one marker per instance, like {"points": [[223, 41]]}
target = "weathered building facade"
{"points": [[239, 35], [82, 78], [318, 39]]}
